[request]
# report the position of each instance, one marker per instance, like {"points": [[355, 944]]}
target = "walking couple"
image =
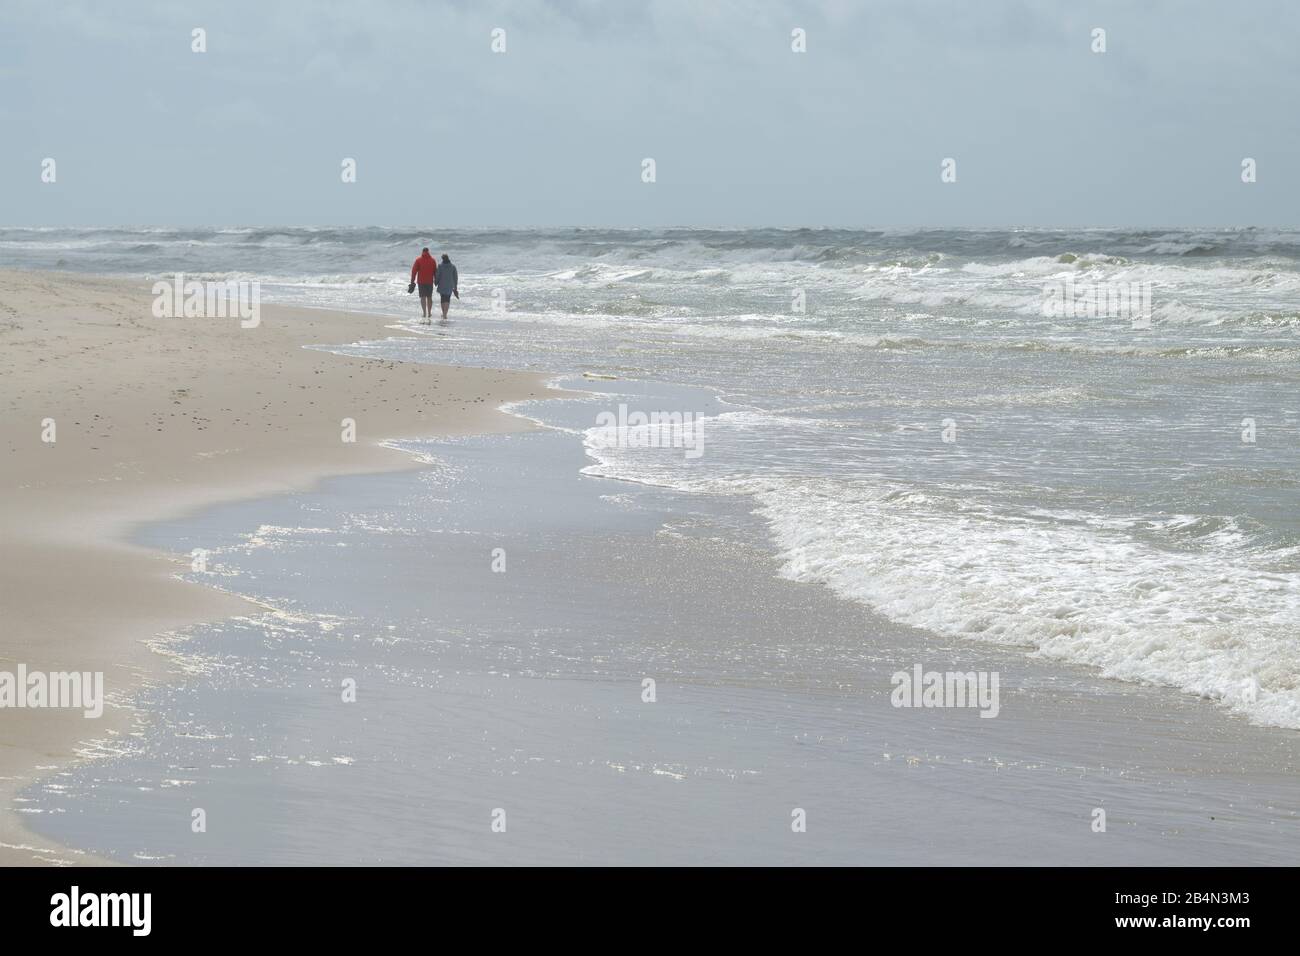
{"points": [[427, 272]]}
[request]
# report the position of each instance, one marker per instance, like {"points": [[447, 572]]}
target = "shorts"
{"points": [[426, 291]]}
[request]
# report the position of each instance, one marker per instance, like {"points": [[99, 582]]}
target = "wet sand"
{"points": [[523, 691], [155, 418]]}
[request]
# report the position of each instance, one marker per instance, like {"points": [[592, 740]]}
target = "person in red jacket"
{"points": [[425, 272]]}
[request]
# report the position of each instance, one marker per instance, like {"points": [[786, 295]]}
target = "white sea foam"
{"points": [[1212, 614], [1218, 621]]}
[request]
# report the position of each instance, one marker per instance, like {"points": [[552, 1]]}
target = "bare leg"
{"points": [[445, 303]]}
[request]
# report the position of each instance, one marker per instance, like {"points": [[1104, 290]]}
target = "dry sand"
{"points": [[154, 418]]}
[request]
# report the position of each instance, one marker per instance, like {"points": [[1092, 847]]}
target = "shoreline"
{"points": [[1199, 765], [154, 419], [772, 694]]}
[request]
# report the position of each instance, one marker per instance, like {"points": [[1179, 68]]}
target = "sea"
{"points": [[1078, 449]]}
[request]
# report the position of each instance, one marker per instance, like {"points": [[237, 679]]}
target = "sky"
{"points": [[743, 130]]}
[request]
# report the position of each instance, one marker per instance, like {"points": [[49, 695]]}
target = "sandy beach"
{"points": [[519, 690], [156, 418], [523, 690]]}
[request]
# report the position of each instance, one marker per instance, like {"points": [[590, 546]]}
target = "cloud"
{"points": [[744, 131]]}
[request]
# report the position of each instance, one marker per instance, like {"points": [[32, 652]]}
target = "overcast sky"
{"points": [[743, 131]]}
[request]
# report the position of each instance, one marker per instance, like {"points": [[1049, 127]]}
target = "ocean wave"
{"points": [[659, 324], [1192, 619], [1270, 353], [823, 248], [1206, 603]]}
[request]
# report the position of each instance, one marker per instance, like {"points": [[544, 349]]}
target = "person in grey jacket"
{"points": [[447, 280]]}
